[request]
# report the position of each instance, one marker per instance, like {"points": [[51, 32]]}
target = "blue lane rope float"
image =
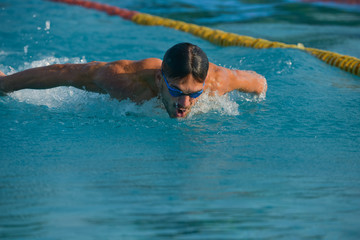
{"points": [[218, 37]]}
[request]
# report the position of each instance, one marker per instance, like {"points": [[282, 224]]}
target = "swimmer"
{"points": [[183, 75]]}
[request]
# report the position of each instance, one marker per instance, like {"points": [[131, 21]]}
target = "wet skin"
{"points": [[135, 80]]}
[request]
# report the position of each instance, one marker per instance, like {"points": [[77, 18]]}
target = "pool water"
{"points": [[79, 165]]}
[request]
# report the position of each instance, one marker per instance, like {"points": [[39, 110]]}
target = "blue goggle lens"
{"points": [[177, 93]]}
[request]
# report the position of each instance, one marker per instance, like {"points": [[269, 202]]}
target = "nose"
{"points": [[184, 101]]}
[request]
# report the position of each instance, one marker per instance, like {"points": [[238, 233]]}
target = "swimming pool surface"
{"points": [[79, 165]]}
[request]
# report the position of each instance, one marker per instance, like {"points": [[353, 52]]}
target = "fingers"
{"points": [[1, 84]]}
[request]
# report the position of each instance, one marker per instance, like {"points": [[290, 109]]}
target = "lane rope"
{"points": [[218, 37]]}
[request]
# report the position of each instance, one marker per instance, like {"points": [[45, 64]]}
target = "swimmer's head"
{"points": [[182, 78], [183, 59]]}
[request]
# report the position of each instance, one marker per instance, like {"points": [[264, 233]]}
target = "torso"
{"points": [[136, 79]]}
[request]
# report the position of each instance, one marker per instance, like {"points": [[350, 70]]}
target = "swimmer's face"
{"points": [[179, 107]]}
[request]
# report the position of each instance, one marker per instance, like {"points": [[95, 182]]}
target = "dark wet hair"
{"points": [[183, 59]]}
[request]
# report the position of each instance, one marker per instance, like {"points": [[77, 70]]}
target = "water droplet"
{"points": [[47, 25]]}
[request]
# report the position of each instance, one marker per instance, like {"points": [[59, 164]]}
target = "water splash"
{"points": [[220, 104], [47, 25], [79, 102]]}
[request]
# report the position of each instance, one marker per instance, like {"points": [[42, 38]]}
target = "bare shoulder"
{"points": [[151, 61], [128, 79], [217, 79], [224, 80], [130, 66], [148, 63]]}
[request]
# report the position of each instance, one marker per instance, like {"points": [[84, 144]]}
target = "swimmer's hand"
{"points": [[2, 93]]}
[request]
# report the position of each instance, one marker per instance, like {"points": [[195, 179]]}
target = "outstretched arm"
{"points": [[227, 80], [76, 75]]}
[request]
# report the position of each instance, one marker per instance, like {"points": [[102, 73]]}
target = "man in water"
{"points": [[183, 75]]}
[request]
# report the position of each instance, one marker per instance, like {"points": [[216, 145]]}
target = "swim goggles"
{"points": [[177, 93]]}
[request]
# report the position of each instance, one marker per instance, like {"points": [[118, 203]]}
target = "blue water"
{"points": [[79, 165]]}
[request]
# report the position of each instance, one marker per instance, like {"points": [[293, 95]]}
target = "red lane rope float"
{"points": [[111, 10], [346, 63]]}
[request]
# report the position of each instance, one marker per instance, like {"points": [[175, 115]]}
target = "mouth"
{"points": [[180, 112]]}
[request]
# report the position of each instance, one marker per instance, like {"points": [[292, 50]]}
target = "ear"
{"points": [[158, 78]]}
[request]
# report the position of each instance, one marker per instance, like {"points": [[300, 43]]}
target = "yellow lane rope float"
{"points": [[344, 62]]}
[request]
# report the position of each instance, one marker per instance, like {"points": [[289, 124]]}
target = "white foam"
{"points": [[52, 98], [77, 101], [220, 104], [26, 49], [39, 63], [73, 100], [47, 25], [51, 60]]}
